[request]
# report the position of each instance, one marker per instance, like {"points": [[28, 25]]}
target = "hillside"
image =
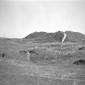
{"points": [[48, 62], [56, 36], [45, 37], [75, 36]]}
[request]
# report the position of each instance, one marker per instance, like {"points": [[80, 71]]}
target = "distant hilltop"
{"points": [[56, 36]]}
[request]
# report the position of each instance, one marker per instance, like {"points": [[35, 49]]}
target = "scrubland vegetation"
{"points": [[30, 62]]}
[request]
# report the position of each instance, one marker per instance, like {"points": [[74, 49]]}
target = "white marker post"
{"points": [[28, 56]]}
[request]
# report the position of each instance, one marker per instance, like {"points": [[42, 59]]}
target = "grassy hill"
{"points": [[75, 36], [45, 37], [41, 59], [56, 37]]}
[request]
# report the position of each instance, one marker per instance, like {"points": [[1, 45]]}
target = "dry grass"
{"points": [[50, 65]]}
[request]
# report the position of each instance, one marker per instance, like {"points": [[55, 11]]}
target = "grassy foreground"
{"points": [[48, 63]]}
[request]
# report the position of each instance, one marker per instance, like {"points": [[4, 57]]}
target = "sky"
{"points": [[18, 18]]}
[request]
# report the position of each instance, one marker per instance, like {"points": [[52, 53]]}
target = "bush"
{"points": [[79, 62]]}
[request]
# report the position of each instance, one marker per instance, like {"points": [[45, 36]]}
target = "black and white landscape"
{"points": [[43, 59], [42, 42]]}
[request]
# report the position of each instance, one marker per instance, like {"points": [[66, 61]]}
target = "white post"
{"points": [[28, 56]]}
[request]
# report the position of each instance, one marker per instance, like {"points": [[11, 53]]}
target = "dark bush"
{"points": [[79, 62], [81, 48], [2, 55]]}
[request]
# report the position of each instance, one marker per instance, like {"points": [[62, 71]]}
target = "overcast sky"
{"points": [[18, 18]]}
